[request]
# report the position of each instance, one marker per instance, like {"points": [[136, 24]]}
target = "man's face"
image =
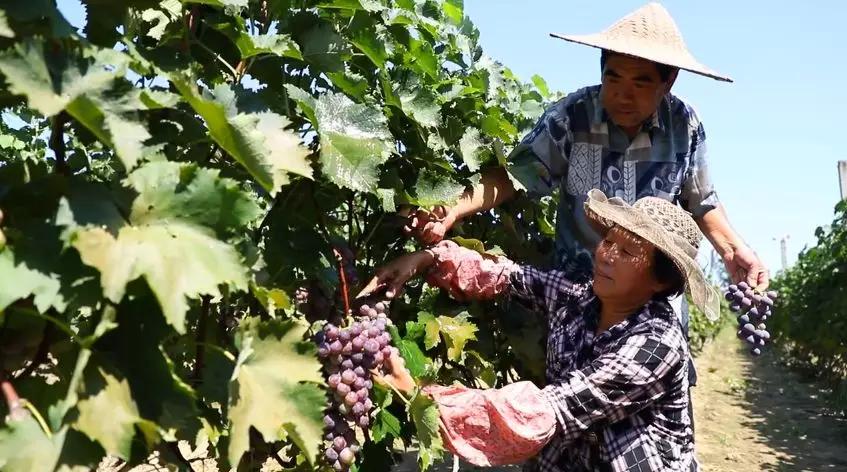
{"points": [[623, 267], [632, 90]]}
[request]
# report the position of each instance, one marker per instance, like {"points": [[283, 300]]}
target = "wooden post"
{"points": [[842, 178]]}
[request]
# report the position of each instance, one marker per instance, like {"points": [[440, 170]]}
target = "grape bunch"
{"points": [[753, 308], [349, 354]]}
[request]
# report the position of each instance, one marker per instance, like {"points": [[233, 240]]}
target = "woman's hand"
{"points": [[399, 376], [393, 276]]}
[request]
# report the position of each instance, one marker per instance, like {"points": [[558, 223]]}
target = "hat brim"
{"points": [[606, 213], [676, 59]]}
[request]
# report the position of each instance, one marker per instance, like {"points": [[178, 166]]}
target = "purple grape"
{"points": [[337, 466], [346, 456], [374, 331], [364, 421], [331, 332], [344, 336], [369, 384], [358, 384], [347, 364], [371, 346], [746, 302], [765, 335], [333, 380], [358, 409], [362, 394], [331, 455], [355, 329], [753, 312], [339, 443], [379, 358], [363, 310], [380, 307], [348, 376], [329, 422], [342, 389], [743, 319], [347, 349], [729, 296], [368, 404], [750, 339], [767, 301], [357, 358], [358, 344], [756, 351], [735, 307], [336, 347], [772, 294], [323, 352], [748, 327], [351, 398], [743, 286]]}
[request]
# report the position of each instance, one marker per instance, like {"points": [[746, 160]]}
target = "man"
{"points": [[629, 137]]}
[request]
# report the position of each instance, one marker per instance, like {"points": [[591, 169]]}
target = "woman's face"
{"points": [[623, 267]]}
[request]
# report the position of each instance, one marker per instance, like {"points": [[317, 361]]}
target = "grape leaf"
{"points": [[436, 189], [454, 10], [177, 259], [456, 332], [354, 141], [258, 141], [419, 103], [424, 414], [277, 44], [416, 361], [45, 288], [115, 434], [28, 73], [322, 47], [168, 190], [386, 196], [5, 30], [24, 446], [471, 148], [541, 85], [385, 425], [274, 388]]}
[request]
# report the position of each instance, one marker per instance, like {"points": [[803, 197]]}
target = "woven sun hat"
{"points": [[649, 33], [667, 227]]}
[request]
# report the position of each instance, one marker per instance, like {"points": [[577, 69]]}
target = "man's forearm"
{"points": [[715, 225], [493, 189]]}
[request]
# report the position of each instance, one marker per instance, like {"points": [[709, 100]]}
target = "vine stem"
{"points": [[344, 292], [57, 142]]}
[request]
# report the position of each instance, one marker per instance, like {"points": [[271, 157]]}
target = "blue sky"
{"points": [[771, 135]]}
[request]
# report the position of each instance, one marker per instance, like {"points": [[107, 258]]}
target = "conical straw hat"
{"points": [[669, 228], [649, 33]]}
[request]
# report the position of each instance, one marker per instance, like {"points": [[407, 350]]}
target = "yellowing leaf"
{"points": [[456, 332], [179, 261], [114, 433], [274, 389]]}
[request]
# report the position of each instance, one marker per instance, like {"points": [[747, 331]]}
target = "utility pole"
{"points": [[783, 248], [842, 178]]}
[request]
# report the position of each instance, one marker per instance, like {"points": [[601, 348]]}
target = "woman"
{"points": [[617, 387]]}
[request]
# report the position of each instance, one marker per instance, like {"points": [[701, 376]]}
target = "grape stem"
{"points": [[343, 278]]}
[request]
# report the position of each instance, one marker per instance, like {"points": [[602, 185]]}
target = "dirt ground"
{"points": [[754, 414]]}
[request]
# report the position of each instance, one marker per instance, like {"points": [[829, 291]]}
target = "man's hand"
{"points": [[428, 227], [743, 265], [394, 275], [398, 376]]}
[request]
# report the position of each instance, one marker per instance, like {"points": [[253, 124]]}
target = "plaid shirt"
{"points": [[576, 148], [620, 397]]}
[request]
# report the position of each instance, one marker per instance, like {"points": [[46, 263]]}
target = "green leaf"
{"points": [[276, 44], [322, 47], [471, 148], [306, 102], [44, 288], [421, 57], [431, 329], [5, 30], [433, 189], [419, 103], [178, 260], [354, 141], [457, 331], [424, 414], [28, 73], [272, 299], [25, 447], [541, 85], [114, 400], [168, 190], [386, 195], [454, 10], [258, 141], [385, 425], [274, 389], [415, 359]]}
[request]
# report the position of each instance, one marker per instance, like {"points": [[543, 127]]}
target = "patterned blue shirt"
{"points": [[576, 147]]}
